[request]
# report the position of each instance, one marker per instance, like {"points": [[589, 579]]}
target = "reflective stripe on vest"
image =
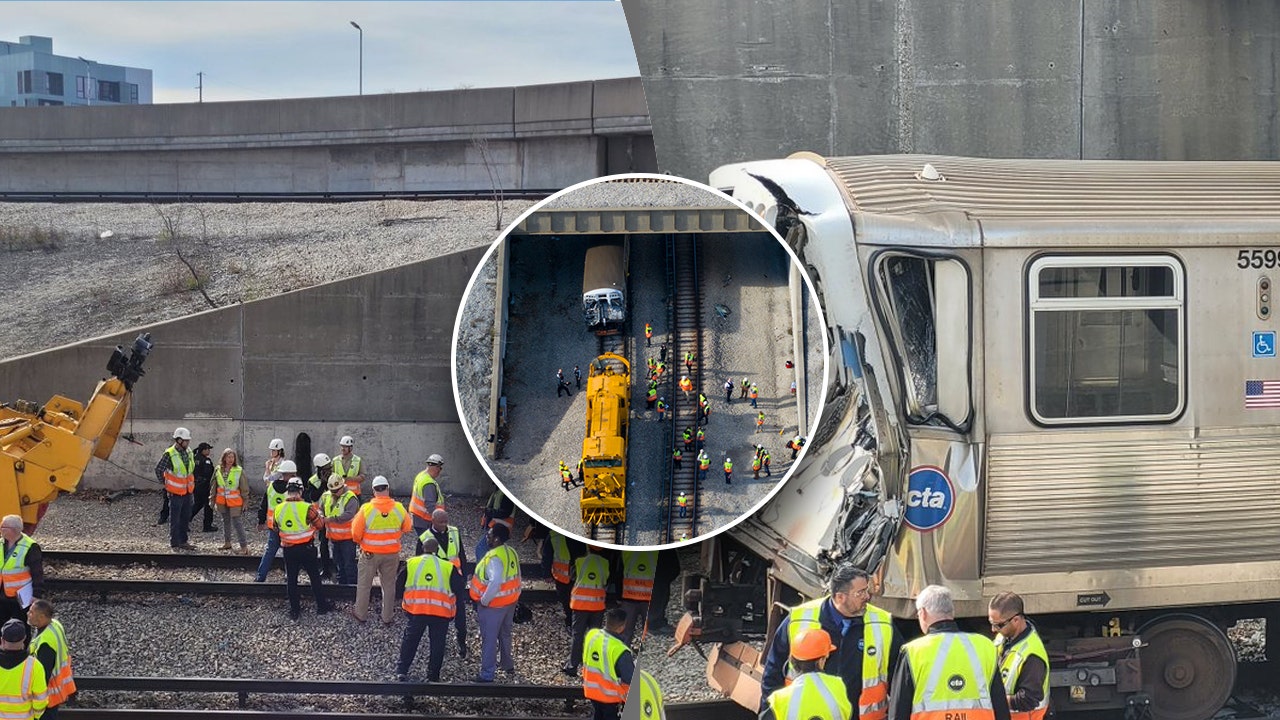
{"points": [[1011, 669], [812, 695], [588, 587], [447, 553], [418, 503], [23, 691], [382, 530], [274, 498], [638, 569], [228, 487], [600, 681], [334, 530], [61, 684], [560, 558], [650, 698], [426, 590], [877, 637], [952, 672], [291, 522], [509, 584], [346, 475], [178, 479], [14, 574]]}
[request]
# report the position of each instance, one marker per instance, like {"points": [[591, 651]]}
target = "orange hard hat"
{"points": [[812, 645]]}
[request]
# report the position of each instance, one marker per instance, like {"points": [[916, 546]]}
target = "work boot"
{"points": [[244, 550], [225, 546], [211, 528]]}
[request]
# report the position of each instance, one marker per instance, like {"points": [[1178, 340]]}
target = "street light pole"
{"points": [[88, 81], [361, 31]]}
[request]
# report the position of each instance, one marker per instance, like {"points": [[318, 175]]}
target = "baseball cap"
{"points": [[14, 631]]}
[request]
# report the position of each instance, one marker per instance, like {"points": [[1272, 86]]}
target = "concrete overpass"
{"points": [[1093, 79], [534, 137]]}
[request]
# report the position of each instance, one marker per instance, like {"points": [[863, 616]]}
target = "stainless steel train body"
{"points": [[604, 286], [1058, 378]]}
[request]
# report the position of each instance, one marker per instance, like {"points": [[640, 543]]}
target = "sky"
{"points": [[262, 50]]}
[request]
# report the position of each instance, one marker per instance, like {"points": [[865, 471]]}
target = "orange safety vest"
{"points": [[382, 530], [600, 654], [588, 587], [686, 384], [228, 487], [179, 479], [14, 573], [352, 484], [560, 557], [334, 530], [509, 583], [426, 589]]}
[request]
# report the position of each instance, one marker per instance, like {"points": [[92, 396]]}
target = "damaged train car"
{"points": [[1052, 377]]}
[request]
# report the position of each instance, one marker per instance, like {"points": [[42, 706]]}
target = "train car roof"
{"points": [[1058, 189]]}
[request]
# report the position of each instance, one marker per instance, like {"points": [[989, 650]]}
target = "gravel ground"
{"points": [[473, 353], [64, 283], [639, 193]]}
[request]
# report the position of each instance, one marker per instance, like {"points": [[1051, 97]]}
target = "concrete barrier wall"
{"points": [[1100, 79], [538, 137], [368, 357]]}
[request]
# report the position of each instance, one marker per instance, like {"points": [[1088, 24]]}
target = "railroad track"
{"points": [[570, 695], [248, 563], [686, 336], [315, 197], [104, 587]]}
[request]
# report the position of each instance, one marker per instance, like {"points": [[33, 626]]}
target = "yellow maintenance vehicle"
{"points": [[604, 450], [44, 450]]}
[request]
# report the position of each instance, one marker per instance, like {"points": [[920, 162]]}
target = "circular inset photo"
{"points": [[638, 360]]}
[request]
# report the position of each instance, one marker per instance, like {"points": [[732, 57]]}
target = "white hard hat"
{"points": [[320, 460], [380, 482], [287, 466], [181, 434], [276, 444], [435, 459], [346, 441]]}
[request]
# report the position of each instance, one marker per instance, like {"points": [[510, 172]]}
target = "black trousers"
{"points": [[605, 711], [458, 584], [296, 559], [202, 503], [563, 591], [583, 620], [326, 560], [435, 628]]}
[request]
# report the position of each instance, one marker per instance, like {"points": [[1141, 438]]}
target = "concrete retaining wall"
{"points": [[368, 357], [538, 137], [1101, 79]]}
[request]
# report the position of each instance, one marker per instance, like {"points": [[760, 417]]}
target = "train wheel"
{"points": [[1188, 666]]}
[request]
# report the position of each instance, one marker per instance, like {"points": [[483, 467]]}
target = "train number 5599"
{"points": [[1256, 259]]}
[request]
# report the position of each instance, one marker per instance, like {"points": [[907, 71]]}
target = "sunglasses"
{"points": [[1001, 625]]}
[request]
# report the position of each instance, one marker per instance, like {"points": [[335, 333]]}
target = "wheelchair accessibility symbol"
{"points": [[1264, 344]]}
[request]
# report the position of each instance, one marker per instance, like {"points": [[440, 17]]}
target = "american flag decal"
{"points": [[1262, 394]]}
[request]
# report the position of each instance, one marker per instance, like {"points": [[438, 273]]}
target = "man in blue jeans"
{"points": [[270, 500]]}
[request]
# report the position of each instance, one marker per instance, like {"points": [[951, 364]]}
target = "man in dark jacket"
{"points": [[204, 483]]}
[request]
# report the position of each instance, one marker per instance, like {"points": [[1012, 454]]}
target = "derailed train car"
{"points": [[604, 286], [1058, 378]]}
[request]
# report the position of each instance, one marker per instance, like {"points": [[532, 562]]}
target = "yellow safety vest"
{"points": [[427, 588], [877, 639], [382, 531], [560, 557], [291, 522], [348, 473], [1011, 668], [274, 498], [812, 695], [592, 574], [14, 574], [650, 697], [952, 672], [509, 583], [228, 487], [23, 691], [600, 681], [333, 507], [418, 503], [179, 478], [448, 553], [61, 682], [638, 569]]}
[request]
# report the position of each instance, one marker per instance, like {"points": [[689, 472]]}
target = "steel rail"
{"points": [[105, 586], [719, 709], [268, 197], [686, 336], [202, 562]]}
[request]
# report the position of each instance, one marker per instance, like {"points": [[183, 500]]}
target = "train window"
{"points": [[1106, 339], [926, 304]]}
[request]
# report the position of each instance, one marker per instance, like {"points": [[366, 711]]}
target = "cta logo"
{"points": [[930, 498]]}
